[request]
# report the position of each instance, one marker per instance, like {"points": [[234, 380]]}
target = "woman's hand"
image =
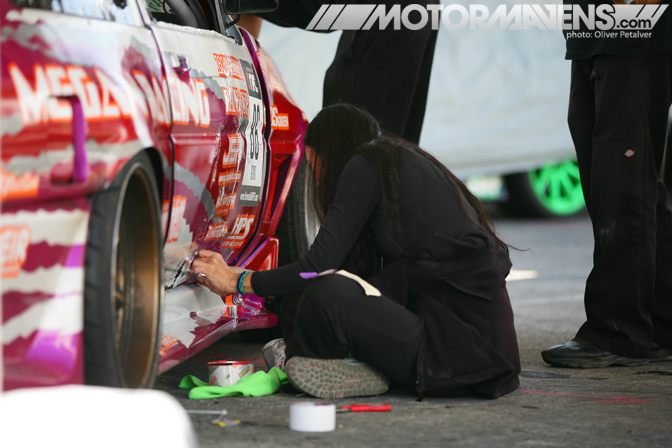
{"points": [[213, 273]]}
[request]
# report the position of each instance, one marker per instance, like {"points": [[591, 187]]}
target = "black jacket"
{"points": [[458, 287]]}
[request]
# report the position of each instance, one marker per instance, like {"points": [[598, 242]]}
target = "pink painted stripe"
{"points": [[75, 256], [603, 399], [45, 358], [42, 255], [68, 205], [15, 303]]}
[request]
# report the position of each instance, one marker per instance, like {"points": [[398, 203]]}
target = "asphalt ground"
{"points": [[616, 406]]}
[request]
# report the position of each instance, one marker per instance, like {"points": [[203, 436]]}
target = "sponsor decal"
{"points": [[270, 73], [279, 121], [12, 186], [239, 232], [253, 86], [254, 142], [167, 342], [41, 99], [14, 242], [231, 158], [252, 128], [114, 101], [216, 231], [179, 206], [157, 97], [249, 196], [626, 19], [229, 177], [224, 204], [237, 101], [228, 66], [189, 101]]}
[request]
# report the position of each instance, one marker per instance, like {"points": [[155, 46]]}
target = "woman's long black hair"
{"points": [[341, 131]]}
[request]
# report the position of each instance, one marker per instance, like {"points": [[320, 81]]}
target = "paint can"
{"points": [[227, 373]]}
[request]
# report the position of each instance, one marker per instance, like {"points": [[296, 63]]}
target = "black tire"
{"points": [[551, 191], [298, 225], [123, 296], [296, 231]]}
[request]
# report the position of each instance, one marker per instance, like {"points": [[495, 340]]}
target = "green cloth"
{"points": [[255, 385]]}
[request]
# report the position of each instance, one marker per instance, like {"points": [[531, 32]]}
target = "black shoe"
{"points": [[580, 354], [658, 352]]}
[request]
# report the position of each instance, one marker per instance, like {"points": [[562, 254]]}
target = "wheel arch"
{"points": [[104, 362], [159, 171]]}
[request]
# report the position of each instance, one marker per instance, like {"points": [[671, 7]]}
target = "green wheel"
{"points": [[554, 190]]}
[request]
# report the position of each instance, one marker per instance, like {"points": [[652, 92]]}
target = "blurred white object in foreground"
{"points": [[89, 416]]}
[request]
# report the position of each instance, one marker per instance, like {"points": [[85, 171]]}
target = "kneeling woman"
{"points": [[438, 318]]}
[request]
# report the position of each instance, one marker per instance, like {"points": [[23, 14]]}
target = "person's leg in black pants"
{"points": [[661, 314], [387, 72], [335, 320], [618, 112]]}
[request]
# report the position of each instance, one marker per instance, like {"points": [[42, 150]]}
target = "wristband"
{"points": [[241, 282]]}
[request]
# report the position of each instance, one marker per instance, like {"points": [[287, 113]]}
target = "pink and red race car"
{"points": [[134, 135]]}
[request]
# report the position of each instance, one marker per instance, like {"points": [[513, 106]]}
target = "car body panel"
{"points": [[83, 95], [48, 71], [194, 316], [45, 214], [43, 279], [212, 135]]}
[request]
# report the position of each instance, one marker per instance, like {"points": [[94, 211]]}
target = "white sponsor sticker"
{"points": [[253, 175]]}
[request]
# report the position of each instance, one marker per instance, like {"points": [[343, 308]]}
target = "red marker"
{"points": [[366, 408]]}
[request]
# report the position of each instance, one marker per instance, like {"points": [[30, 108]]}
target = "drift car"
{"points": [[134, 135]]}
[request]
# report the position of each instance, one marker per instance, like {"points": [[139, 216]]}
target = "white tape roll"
{"points": [[312, 417]]}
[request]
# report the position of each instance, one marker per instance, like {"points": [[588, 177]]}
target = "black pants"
{"points": [[385, 71], [618, 120], [334, 319]]}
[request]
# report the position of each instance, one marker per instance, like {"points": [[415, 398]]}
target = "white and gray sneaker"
{"points": [[274, 354], [335, 378]]}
